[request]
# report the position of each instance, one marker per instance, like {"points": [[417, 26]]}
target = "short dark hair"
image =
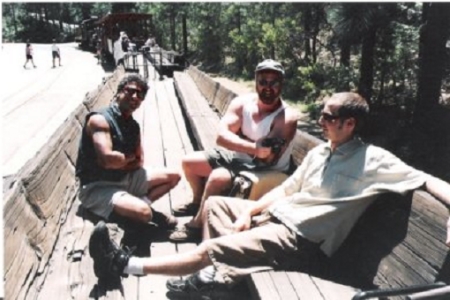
{"points": [[353, 106], [133, 78]]}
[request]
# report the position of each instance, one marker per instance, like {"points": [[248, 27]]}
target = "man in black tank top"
{"points": [[110, 162]]}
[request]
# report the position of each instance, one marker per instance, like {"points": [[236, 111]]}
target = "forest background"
{"points": [[397, 55]]}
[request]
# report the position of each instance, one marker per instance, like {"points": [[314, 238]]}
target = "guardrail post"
{"points": [[145, 66]]}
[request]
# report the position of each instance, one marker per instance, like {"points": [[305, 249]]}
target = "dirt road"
{"points": [[35, 101]]}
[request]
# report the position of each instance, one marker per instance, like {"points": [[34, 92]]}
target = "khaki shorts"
{"points": [[98, 196], [267, 245]]}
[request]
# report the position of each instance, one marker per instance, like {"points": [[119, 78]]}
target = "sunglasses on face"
{"points": [[328, 117], [131, 91], [272, 83]]}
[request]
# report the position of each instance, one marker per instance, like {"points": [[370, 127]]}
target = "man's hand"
{"points": [[262, 152], [130, 158], [243, 222], [133, 162]]}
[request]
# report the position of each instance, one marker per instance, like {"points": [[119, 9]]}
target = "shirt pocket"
{"points": [[345, 185]]}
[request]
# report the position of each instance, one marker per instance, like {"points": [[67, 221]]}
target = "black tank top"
{"points": [[125, 135]]}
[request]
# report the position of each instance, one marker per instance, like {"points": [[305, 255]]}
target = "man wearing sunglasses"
{"points": [[113, 183], [249, 123], [313, 210]]}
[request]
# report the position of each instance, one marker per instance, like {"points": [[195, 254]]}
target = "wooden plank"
{"points": [[172, 148], [333, 291], [194, 103], [265, 287], [178, 115], [304, 286], [151, 131], [71, 275], [222, 99], [20, 256], [284, 286]]}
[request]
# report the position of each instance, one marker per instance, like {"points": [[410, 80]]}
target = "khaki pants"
{"points": [[266, 246]]}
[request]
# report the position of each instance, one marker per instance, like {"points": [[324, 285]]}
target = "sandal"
{"points": [[186, 209], [186, 235]]}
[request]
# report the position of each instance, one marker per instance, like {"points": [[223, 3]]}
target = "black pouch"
{"points": [[242, 187]]}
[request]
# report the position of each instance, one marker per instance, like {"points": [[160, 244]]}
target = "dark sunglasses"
{"points": [[329, 117], [131, 91], [273, 83]]}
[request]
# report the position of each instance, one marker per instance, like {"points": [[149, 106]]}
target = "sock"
{"points": [[206, 275], [135, 266]]}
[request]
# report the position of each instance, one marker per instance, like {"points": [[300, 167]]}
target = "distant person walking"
{"points": [[56, 53], [29, 55]]}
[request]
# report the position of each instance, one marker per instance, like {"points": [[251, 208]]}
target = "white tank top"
{"points": [[256, 130]]}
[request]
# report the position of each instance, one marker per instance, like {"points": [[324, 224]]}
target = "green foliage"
{"points": [[314, 82]]}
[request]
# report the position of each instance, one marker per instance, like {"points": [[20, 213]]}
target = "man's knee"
{"points": [[196, 163], [219, 179], [174, 178], [133, 208], [145, 214]]}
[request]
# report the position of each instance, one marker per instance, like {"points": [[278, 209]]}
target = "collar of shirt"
{"points": [[116, 110], [345, 148]]}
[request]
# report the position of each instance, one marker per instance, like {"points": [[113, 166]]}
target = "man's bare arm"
{"points": [[138, 162], [229, 126], [98, 129]]}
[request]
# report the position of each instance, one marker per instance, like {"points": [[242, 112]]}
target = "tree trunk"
{"points": [[366, 68], [432, 55], [185, 41], [13, 5], [306, 17], [430, 121], [240, 53], [61, 14], [345, 54], [172, 30]]}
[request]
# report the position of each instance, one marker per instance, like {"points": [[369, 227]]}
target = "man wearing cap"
{"points": [[248, 122]]}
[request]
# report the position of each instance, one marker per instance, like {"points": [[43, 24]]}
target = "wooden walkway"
{"points": [[165, 140]]}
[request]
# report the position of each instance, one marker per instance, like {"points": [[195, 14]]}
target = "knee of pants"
{"points": [[214, 203]]}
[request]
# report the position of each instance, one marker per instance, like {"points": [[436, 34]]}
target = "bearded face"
{"points": [[268, 86]]}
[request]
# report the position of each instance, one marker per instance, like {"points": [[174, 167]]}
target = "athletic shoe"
{"points": [[109, 259], [164, 221], [193, 288], [191, 285]]}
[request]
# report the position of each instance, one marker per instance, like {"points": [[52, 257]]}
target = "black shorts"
{"points": [[220, 157], [29, 56], [55, 54]]}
